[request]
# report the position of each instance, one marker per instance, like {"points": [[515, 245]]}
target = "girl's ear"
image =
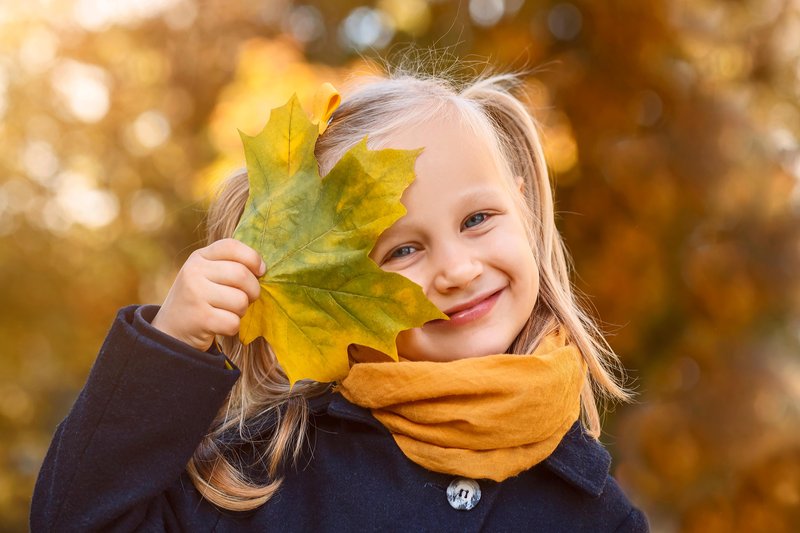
{"points": [[520, 181]]}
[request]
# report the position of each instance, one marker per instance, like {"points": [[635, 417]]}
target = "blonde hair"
{"points": [[376, 108]]}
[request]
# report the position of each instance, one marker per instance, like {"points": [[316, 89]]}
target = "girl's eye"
{"points": [[402, 251], [474, 220]]}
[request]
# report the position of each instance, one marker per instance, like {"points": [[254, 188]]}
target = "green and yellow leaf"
{"points": [[321, 291]]}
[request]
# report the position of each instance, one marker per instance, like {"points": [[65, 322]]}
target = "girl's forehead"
{"points": [[455, 164], [449, 145], [436, 130]]}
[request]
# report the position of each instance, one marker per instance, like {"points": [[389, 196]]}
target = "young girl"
{"points": [[488, 422]]}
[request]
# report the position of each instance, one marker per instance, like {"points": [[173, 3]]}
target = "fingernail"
{"points": [[262, 269]]}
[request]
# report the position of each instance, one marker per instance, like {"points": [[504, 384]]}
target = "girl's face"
{"points": [[464, 242]]}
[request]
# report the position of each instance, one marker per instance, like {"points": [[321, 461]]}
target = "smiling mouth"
{"points": [[469, 311]]}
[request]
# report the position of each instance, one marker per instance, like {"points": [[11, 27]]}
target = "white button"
{"points": [[463, 494]]}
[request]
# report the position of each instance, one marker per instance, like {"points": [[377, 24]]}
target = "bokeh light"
{"points": [[83, 89], [671, 128]]}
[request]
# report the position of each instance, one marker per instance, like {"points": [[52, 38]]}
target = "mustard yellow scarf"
{"points": [[484, 417]]}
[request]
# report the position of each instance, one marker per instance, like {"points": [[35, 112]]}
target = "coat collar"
{"points": [[579, 459]]}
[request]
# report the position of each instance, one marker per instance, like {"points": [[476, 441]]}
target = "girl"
{"points": [[489, 421]]}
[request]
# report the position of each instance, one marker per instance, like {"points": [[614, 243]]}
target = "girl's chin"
{"points": [[415, 345], [441, 357]]}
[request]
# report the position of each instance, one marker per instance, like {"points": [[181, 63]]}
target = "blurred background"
{"points": [[671, 128]]}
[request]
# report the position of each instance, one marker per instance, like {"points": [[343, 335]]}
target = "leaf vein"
{"points": [[291, 321], [328, 290], [347, 311], [331, 229]]}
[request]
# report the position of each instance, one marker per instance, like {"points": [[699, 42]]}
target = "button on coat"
{"points": [[463, 494]]}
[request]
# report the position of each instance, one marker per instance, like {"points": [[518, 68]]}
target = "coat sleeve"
{"points": [[148, 401], [635, 522]]}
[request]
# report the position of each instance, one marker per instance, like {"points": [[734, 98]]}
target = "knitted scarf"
{"points": [[484, 417]]}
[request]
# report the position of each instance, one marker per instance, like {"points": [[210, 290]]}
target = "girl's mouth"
{"points": [[469, 311]]}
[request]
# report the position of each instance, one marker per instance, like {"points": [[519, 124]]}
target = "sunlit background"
{"points": [[671, 128]]}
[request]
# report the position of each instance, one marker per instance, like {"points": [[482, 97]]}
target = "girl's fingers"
{"points": [[233, 274], [226, 322], [233, 250], [228, 298], [211, 293]]}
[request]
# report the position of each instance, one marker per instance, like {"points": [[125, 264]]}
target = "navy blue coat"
{"points": [[117, 461]]}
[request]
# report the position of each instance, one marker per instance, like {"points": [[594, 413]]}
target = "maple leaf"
{"points": [[321, 291]]}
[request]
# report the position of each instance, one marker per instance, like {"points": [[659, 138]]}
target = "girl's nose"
{"points": [[456, 271]]}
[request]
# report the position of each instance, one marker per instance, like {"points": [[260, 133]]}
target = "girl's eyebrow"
{"points": [[476, 195], [473, 195], [398, 226]]}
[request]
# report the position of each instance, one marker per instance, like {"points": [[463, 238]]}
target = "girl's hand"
{"points": [[211, 293]]}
